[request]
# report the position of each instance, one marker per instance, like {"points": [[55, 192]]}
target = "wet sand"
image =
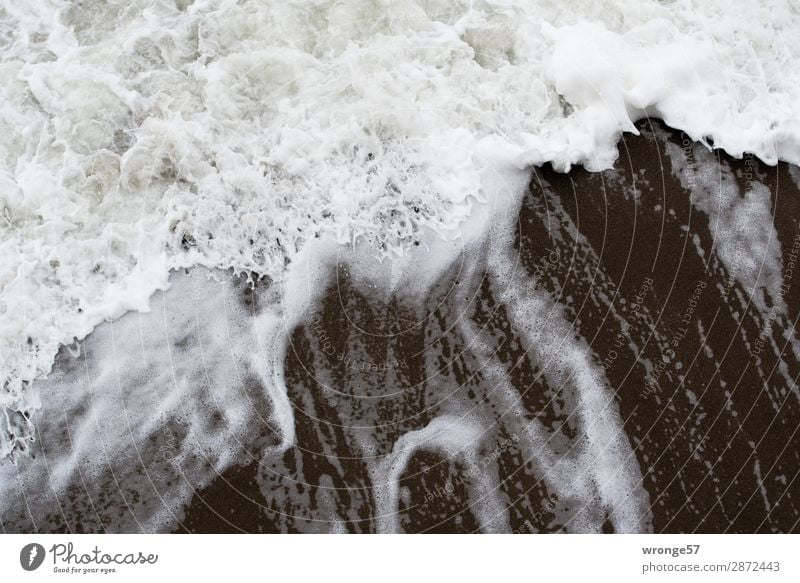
{"points": [[717, 440], [709, 412]]}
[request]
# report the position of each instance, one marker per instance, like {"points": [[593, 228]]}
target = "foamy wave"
{"points": [[139, 137]]}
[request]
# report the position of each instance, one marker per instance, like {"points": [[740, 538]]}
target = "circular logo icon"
{"points": [[31, 556]]}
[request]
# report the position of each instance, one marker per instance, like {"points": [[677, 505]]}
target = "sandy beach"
{"points": [[473, 407]]}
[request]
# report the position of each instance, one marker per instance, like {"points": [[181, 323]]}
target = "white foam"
{"points": [[740, 223], [454, 437], [141, 136], [146, 410], [599, 469]]}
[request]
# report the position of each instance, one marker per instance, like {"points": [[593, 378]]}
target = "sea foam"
{"points": [[138, 137]]}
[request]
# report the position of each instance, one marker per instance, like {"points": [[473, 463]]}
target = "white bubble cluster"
{"points": [[141, 136]]}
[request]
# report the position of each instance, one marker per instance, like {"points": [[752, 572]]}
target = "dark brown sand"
{"points": [[716, 441], [711, 420]]}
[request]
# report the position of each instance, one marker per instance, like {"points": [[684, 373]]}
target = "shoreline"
{"points": [[619, 254]]}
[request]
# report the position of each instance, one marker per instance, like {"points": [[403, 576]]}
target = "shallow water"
{"points": [[610, 356], [139, 137]]}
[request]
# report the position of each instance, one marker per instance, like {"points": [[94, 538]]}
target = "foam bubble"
{"points": [[140, 137]]}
